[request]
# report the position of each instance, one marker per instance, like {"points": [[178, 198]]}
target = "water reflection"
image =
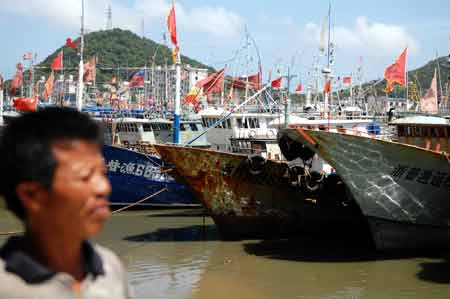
{"points": [[178, 257]]}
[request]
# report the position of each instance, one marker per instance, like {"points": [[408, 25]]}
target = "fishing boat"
{"points": [[134, 167], [401, 188], [135, 176], [251, 197]]}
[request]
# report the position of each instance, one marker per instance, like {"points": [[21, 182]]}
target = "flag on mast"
{"points": [[327, 87], [17, 80], [276, 83], [71, 44], [396, 73], [48, 87], [57, 63], [429, 103], [172, 26], [347, 80], [211, 84]]}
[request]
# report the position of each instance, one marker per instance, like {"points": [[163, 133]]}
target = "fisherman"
{"points": [[55, 182]]}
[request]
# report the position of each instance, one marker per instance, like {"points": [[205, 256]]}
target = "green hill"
{"points": [[115, 48]]}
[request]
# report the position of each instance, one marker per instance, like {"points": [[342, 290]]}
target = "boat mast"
{"points": [[327, 70], [81, 67], [32, 75], [439, 76], [247, 43], [176, 119]]}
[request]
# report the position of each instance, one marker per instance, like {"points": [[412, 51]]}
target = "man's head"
{"points": [[54, 172]]}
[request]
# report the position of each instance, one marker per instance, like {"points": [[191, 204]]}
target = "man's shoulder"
{"points": [[110, 260]]}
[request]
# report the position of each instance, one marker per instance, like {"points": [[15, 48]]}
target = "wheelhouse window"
{"points": [[147, 127]]}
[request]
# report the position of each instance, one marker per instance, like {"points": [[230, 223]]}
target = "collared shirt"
{"points": [[23, 277]]}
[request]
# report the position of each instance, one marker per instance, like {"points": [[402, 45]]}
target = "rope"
{"points": [[447, 156], [139, 201], [11, 233], [167, 170]]}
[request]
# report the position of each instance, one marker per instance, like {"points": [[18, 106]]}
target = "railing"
{"points": [[140, 146]]}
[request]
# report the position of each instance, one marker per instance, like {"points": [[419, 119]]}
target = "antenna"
{"points": [[143, 28], [109, 18]]}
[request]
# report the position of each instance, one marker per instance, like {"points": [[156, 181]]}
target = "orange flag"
{"points": [[429, 103], [90, 70], [396, 73], [327, 87], [48, 90], [172, 26], [17, 80], [57, 63]]}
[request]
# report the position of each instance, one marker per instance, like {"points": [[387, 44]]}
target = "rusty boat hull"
{"points": [[246, 203], [402, 190]]}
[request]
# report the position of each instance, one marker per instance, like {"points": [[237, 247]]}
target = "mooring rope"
{"points": [[139, 201], [113, 212], [447, 156], [11, 233]]}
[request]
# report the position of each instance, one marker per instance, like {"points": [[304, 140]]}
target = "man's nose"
{"points": [[102, 186]]}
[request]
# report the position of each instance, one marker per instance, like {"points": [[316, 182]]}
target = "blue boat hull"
{"points": [[135, 176]]}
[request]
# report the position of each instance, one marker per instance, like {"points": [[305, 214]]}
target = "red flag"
{"points": [[327, 87], [276, 83], [48, 90], [17, 80], [57, 62], [254, 81], [25, 104], [347, 80], [211, 84], [299, 88], [396, 73], [71, 44], [172, 26]]}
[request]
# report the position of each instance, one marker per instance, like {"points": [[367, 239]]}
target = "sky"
{"points": [[284, 34]]}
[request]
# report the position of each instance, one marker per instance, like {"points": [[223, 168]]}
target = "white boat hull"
{"points": [[403, 190]]}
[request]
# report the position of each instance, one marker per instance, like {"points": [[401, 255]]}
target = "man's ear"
{"points": [[32, 196]]}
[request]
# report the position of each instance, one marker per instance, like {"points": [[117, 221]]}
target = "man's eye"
{"points": [[85, 178]]}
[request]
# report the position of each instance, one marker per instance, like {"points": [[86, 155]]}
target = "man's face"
{"points": [[78, 197]]}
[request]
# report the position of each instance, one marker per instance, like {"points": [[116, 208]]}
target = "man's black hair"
{"points": [[26, 148]]}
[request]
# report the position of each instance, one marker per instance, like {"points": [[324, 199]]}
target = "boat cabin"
{"points": [[430, 132]]}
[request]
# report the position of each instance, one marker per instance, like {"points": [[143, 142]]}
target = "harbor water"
{"points": [[178, 254]]}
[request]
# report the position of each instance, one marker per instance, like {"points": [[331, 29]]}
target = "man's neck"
{"points": [[58, 253]]}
